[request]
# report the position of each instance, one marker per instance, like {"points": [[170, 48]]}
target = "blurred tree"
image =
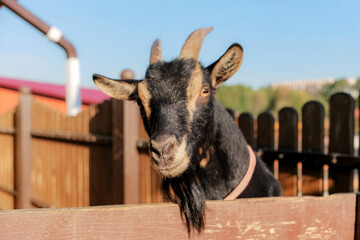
{"points": [[244, 99], [331, 88]]}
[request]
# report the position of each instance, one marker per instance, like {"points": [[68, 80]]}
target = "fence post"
{"points": [[131, 154], [126, 158], [23, 150]]}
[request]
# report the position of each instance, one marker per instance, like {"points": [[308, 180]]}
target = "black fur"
{"points": [[194, 143], [212, 130]]}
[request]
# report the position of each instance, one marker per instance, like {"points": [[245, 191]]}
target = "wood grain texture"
{"points": [[262, 218]]}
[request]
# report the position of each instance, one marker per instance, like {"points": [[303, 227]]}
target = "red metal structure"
{"points": [[55, 35]]}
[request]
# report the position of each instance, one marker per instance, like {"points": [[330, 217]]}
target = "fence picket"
{"points": [[288, 129], [313, 127], [265, 131], [341, 123], [246, 124]]}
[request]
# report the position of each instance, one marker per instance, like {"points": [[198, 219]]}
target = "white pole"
{"points": [[73, 98]]}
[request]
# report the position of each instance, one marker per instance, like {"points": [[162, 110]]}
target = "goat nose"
{"points": [[162, 150]]}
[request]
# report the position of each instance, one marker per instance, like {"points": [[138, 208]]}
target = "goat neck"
{"points": [[229, 160]]}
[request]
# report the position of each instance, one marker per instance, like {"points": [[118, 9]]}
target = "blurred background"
{"points": [[283, 42], [294, 52]]}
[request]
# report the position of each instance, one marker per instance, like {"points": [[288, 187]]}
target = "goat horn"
{"points": [[192, 45], [155, 55]]}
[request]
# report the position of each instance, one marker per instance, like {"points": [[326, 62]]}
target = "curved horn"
{"points": [[192, 45], [155, 55]]}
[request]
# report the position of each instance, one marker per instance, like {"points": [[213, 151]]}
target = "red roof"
{"points": [[88, 96]]}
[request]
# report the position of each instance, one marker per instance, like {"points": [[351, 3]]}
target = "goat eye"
{"points": [[205, 91]]}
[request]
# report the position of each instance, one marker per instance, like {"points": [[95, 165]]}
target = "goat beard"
{"points": [[188, 193]]}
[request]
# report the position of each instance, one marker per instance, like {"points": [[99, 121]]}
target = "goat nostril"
{"points": [[162, 151], [169, 148], [154, 150]]}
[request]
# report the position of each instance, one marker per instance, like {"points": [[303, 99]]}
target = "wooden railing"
{"points": [[304, 163], [333, 217]]}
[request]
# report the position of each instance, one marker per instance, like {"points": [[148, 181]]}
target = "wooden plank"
{"points": [[265, 131], [131, 158], [131, 155], [313, 127], [23, 151], [259, 218], [100, 157], [117, 179], [7, 151], [145, 169], [246, 125], [341, 123], [288, 129]]}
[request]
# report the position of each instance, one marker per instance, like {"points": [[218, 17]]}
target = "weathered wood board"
{"points": [[261, 218]]}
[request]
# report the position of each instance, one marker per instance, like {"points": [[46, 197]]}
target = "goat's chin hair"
{"points": [[189, 195]]}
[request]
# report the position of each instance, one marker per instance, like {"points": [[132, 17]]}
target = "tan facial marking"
{"points": [[193, 90], [145, 97], [206, 158]]}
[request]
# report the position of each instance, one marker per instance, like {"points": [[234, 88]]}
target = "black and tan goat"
{"points": [[194, 144]]}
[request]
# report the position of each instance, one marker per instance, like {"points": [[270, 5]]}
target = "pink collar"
{"points": [[246, 179]]}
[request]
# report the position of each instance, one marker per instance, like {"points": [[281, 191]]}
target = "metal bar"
{"points": [[325, 180], [73, 99], [299, 179], [355, 180], [7, 190], [276, 169], [291, 158], [39, 203], [72, 137], [7, 130], [38, 24]]}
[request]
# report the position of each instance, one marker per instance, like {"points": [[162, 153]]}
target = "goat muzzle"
{"points": [[162, 150]]}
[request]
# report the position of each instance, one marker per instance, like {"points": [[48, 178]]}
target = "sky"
{"points": [[282, 40]]}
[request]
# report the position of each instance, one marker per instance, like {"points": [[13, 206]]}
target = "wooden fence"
{"points": [[50, 159], [334, 217], [100, 156], [301, 162]]}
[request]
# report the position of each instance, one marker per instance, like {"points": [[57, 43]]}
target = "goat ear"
{"points": [[119, 89], [226, 65]]}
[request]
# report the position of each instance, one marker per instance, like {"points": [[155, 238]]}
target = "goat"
{"points": [[194, 143]]}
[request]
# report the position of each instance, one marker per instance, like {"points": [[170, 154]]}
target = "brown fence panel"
{"points": [[265, 131], [7, 153], [246, 124], [69, 169]]}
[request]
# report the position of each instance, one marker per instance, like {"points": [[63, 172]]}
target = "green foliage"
{"points": [[244, 99], [331, 88]]}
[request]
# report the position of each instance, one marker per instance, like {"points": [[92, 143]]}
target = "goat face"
{"points": [[176, 102]]}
